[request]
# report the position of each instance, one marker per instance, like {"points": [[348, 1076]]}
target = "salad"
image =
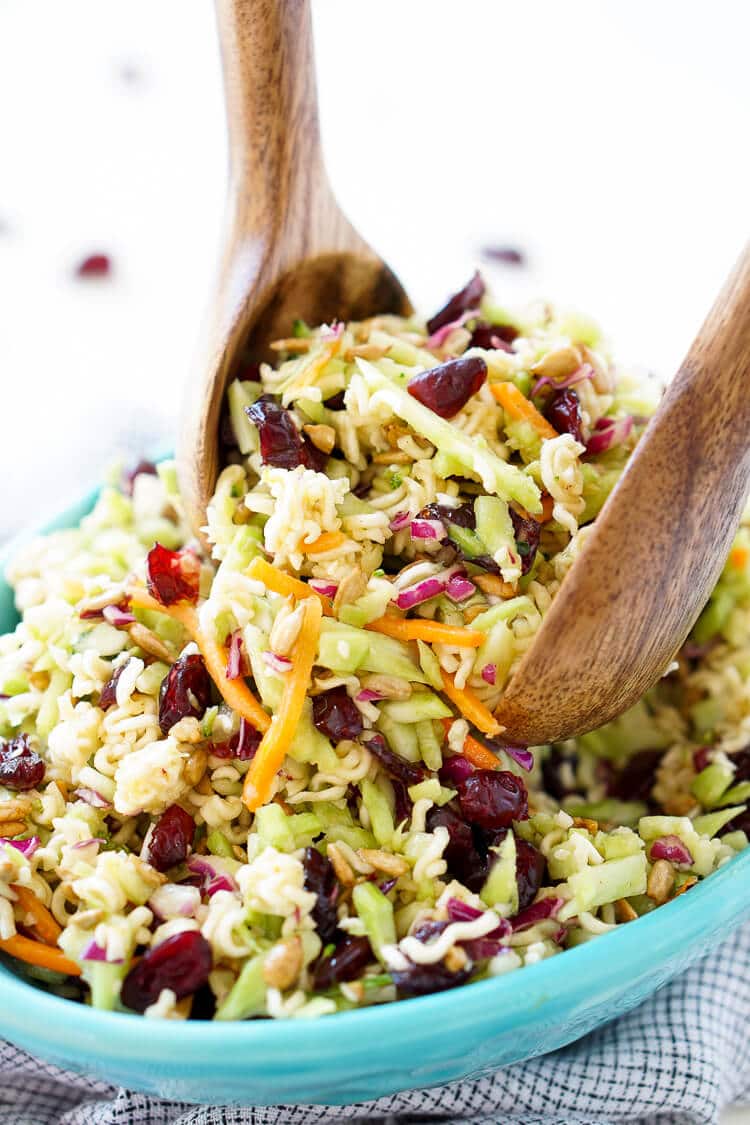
{"points": [[264, 777]]}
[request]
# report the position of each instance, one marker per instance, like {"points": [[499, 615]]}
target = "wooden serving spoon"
{"points": [[657, 547], [290, 253]]}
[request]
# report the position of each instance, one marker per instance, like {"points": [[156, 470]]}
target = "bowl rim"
{"points": [[604, 959]]}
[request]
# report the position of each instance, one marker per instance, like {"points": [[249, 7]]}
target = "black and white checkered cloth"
{"points": [[679, 1059]]}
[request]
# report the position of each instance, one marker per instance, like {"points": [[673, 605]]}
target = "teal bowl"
{"points": [[356, 1056]]}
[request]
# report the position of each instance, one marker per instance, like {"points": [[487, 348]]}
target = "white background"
{"points": [[608, 139]]}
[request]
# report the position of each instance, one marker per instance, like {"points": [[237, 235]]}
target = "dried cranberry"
{"points": [[526, 532], [421, 980], [181, 963], [281, 443], [466, 298], [447, 388], [559, 772], [249, 373], [563, 412], [461, 854], [506, 255], [455, 769], [143, 468], [462, 516], [336, 715], [95, 265], [493, 337], [185, 690], [741, 763], [402, 801], [701, 758], [347, 962], [173, 576], [636, 780], [243, 745], [739, 823], [108, 695], [335, 402], [493, 798], [407, 772], [320, 878], [530, 865], [227, 435], [314, 458], [171, 838], [21, 768]]}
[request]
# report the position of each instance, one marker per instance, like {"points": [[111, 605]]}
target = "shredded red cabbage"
{"points": [[236, 663], [400, 521], [537, 912], [609, 432], [459, 588], [438, 338], [95, 952], [118, 616], [580, 375], [93, 797], [428, 529], [459, 911], [673, 849], [26, 847], [276, 663], [327, 589]]}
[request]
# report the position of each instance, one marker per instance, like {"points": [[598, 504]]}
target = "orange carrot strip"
{"points": [[479, 755], [275, 742], [473, 750], [44, 924], [518, 406], [738, 557], [328, 541], [284, 584], [37, 953], [236, 693], [470, 707], [431, 631]]}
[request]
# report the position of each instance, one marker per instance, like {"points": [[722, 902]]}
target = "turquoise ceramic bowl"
{"points": [[356, 1056]]}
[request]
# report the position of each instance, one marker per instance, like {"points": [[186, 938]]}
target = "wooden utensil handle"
{"points": [[276, 167]]}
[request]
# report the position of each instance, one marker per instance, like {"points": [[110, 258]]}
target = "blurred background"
{"points": [[607, 142]]}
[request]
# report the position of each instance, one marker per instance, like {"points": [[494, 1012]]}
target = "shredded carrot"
{"points": [[44, 924], [309, 373], [235, 693], [275, 742], [479, 755], [470, 707], [284, 584], [37, 953], [328, 541], [474, 752], [518, 406], [738, 557], [431, 631]]}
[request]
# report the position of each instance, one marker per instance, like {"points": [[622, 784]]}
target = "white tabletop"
{"points": [[608, 140]]}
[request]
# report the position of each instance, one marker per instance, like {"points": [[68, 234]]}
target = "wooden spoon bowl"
{"points": [[290, 253]]}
